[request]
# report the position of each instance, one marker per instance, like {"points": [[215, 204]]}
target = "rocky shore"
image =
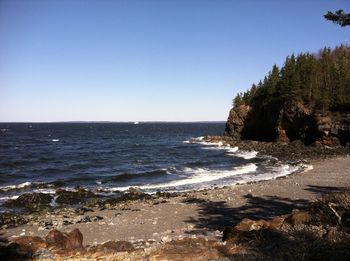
{"points": [[287, 152], [201, 225]]}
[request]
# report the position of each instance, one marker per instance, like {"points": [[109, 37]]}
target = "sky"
{"points": [[148, 60]]}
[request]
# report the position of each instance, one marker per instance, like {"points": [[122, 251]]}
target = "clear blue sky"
{"points": [[148, 60]]}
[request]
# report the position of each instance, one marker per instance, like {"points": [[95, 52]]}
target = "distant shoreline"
{"points": [[170, 122]]}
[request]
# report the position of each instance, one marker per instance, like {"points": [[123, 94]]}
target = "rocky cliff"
{"points": [[287, 122]]}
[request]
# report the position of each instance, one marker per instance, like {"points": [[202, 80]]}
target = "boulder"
{"points": [[134, 194], [29, 244], [71, 240], [30, 201], [78, 196], [117, 246], [249, 225], [74, 239], [56, 238], [298, 217], [246, 225]]}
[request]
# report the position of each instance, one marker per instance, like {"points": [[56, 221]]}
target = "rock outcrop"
{"points": [[287, 122]]}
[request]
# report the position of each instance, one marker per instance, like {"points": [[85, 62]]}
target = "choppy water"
{"points": [[115, 156]]}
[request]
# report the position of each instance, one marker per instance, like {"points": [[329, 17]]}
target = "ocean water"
{"points": [[116, 156]]}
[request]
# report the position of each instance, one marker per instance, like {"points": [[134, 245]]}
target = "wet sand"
{"points": [[202, 213]]}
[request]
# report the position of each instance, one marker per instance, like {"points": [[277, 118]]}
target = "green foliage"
{"points": [[321, 80], [338, 17]]}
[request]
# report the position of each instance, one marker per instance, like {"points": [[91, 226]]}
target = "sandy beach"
{"points": [[198, 213]]}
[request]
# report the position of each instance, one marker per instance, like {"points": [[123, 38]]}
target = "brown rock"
{"points": [[74, 239], [56, 238], [247, 224], [236, 121], [117, 246], [276, 222], [71, 240], [282, 135], [239, 231], [298, 217], [28, 244], [187, 249]]}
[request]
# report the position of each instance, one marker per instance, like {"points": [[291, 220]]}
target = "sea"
{"points": [[110, 157]]}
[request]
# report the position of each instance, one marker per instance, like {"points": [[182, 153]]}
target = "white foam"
{"points": [[45, 191], [307, 167], [281, 171], [195, 140], [197, 176], [55, 140], [18, 186], [246, 154], [232, 150], [8, 198]]}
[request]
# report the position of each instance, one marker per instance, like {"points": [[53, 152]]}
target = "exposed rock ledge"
{"points": [[289, 122]]}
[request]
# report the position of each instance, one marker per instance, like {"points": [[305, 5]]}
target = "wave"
{"points": [[246, 154], [278, 172], [33, 185], [130, 176], [197, 176], [15, 187], [2, 199], [234, 151]]}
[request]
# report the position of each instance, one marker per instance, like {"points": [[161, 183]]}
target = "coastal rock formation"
{"points": [[307, 99], [30, 201], [68, 197], [236, 121], [288, 122]]}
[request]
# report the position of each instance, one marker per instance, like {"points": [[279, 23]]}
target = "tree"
{"points": [[237, 101], [338, 17]]}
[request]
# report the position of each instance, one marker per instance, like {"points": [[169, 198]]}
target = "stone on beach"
{"points": [[71, 240]]}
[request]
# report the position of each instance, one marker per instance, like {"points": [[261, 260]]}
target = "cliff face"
{"points": [[288, 122]]}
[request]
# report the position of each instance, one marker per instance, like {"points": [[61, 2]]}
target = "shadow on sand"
{"points": [[269, 244], [216, 215]]}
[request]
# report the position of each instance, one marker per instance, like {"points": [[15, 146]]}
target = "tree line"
{"points": [[321, 80]]}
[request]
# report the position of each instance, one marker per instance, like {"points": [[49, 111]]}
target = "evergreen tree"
{"points": [[321, 80], [338, 17]]}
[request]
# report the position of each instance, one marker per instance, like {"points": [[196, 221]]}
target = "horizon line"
{"points": [[205, 121]]}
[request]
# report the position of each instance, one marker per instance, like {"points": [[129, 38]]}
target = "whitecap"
{"points": [[8, 198], [197, 176], [55, 140], [246, 154], [232, 150], [45, 191], [18, 186]]}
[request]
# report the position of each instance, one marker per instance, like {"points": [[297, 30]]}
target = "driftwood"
{"points": [[331, 205]]}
